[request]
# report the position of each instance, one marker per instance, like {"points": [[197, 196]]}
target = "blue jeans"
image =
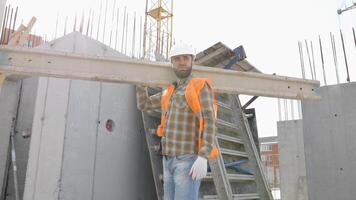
{"points": [[177, 183]]}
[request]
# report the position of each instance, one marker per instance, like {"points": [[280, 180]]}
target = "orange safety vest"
{"points": [[192, 97]]}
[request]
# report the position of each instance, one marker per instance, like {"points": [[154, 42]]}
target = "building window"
{"points": [[266, 147], [263, 158]]}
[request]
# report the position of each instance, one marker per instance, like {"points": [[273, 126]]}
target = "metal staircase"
{"points": [[237, 172]]}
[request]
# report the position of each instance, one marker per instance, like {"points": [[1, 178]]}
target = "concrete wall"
{"points": [[72, 154], [329, 127], [8, 105], [292, 160]]}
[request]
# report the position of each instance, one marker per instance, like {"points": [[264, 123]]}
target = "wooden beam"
{"points": [[42, 62], [21, 34]]}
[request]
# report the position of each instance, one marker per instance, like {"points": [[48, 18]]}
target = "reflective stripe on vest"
{"points": [[192, 92]]}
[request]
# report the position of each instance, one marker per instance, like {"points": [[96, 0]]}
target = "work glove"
{"points": [[199, 168]]}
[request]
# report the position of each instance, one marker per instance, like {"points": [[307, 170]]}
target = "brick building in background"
{"points": [[270, 160], [31, 41]]}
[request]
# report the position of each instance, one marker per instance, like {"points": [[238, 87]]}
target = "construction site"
{"points": [[70, 128]]}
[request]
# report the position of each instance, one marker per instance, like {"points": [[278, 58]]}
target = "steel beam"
{"points": [[42, 62]]}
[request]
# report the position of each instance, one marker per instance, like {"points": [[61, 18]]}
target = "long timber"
{"points": [[39, 62]]}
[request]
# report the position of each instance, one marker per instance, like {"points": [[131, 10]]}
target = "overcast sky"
{"points": [[268, 30]]}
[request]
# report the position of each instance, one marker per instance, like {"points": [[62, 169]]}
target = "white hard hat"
{"points": [[181, 49]]}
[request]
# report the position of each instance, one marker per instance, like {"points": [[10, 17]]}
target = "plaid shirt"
{"points": [[182, 125]]}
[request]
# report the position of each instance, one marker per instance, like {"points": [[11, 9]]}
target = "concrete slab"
{"points": [[48, 174], [80, 140], [330, 143], [33, 161]]}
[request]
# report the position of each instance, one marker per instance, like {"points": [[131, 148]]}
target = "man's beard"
{"points": [[182, 74]]}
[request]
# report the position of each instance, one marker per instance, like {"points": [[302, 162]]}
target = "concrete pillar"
{"points": [[292, 160]]}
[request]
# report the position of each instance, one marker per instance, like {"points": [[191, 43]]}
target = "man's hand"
{"points": [[199, 168]]}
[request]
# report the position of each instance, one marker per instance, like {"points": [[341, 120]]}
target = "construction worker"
{"points": [[187, 126]]}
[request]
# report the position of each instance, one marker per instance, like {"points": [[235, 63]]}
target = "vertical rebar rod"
{"points": [[322, 60], [310, 65], [145, 32], [97, 34], [106, 9], [6, 24], [353, 33], [292, 108], [123, 32], [335, 57], [133, 37], [313, 59], [75, 22], [65, 25], [300, 109], [92, 23], [127, 29], [81, 23], [117, 26], [88, 24], [55, 32], [112, 20], [15, 18], [301, 59], [3, 25], [140, 47], [285, 109], [343, 48], [10, 23]]}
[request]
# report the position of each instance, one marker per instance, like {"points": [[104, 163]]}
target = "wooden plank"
{"points": [[37, 62], [18, 37]]}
